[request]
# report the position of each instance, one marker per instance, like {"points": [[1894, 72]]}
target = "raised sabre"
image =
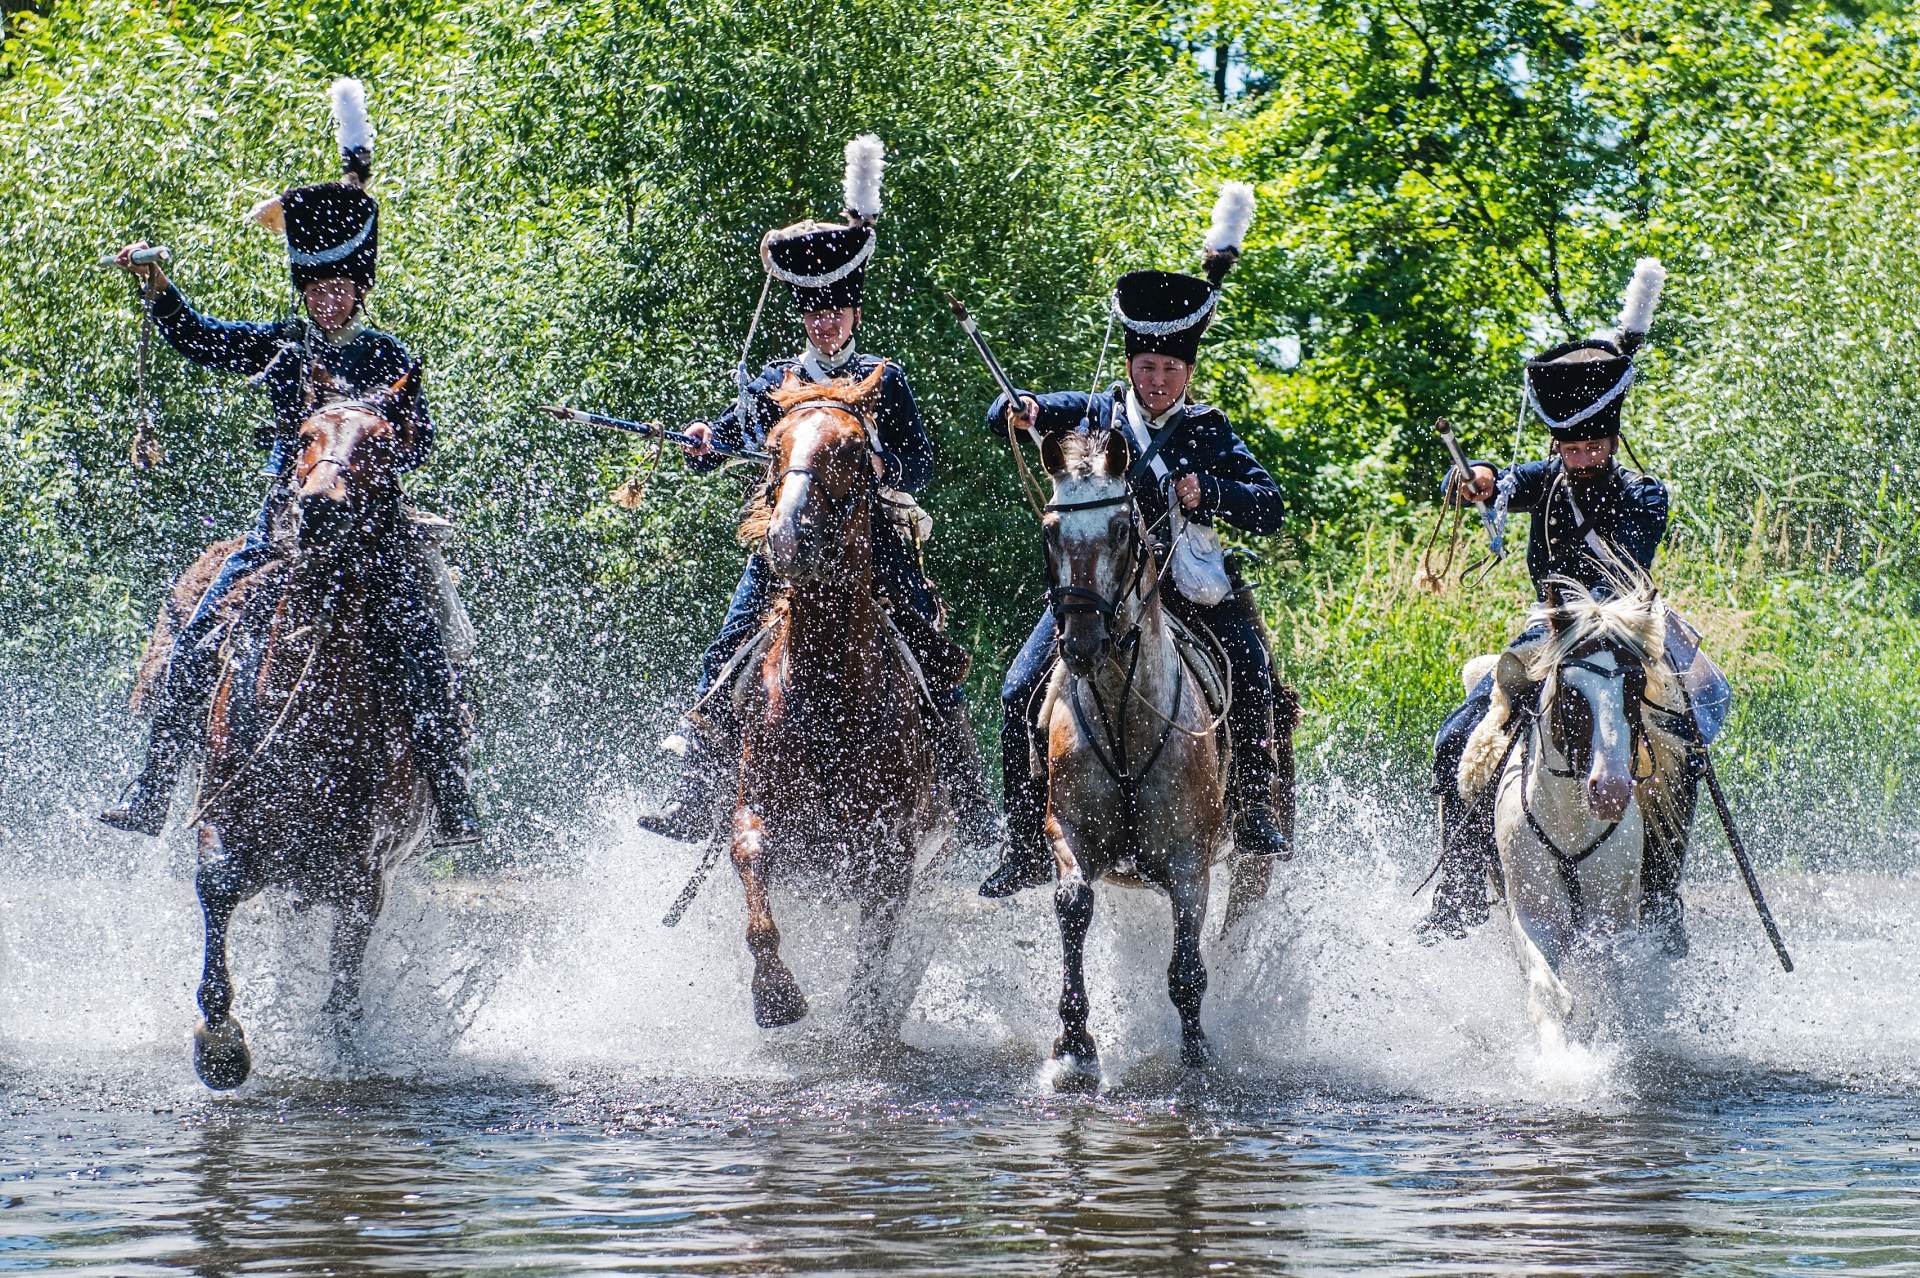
{"points": [[651, 430], [1496, 540]]}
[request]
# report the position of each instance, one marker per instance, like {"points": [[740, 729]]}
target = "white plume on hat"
{"points": [[351, 127], [1232, 215], [1642, 295], [866, 157]]}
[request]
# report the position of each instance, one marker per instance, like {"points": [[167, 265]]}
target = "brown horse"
{"points": [[1136, 774], [309, 784], [837, 760]]}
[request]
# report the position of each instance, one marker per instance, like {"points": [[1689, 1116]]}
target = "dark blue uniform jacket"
{"points": [[1628, 511], [272, 355], [1234, 488], [905, 450]]}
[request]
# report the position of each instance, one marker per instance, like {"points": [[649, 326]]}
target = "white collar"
{"points": [[1137, 409], [820, 367]]}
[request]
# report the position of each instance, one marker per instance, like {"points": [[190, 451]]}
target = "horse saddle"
{"points": [[1201, 654]]}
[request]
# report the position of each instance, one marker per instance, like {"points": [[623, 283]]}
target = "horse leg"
{"points": [[777, 999], [353, 919], [1187, 973], [1543, 934], [220, 1055], [1248, 879], [875, 1015]]}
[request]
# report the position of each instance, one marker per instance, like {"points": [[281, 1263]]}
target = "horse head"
{"points": [[1097, 550], [1593, 676], [817, 507], [347, 463]]}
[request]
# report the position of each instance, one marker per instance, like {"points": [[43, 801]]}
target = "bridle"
{"points": [[833, 512], [1070, 599], [1549, 726]]}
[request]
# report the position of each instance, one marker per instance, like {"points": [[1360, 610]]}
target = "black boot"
{"points": [[1664, 860], [1460, 898], [1027, 861], [693, 810], [148, 797], [963, 783], [1250, 789], [456, 821]]}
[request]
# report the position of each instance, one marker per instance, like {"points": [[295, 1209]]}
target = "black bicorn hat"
{"points": [[1164, 312], [825, 263], [1167, 312], [332, 229]]}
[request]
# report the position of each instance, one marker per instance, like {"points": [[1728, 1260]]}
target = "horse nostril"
{"points": [[1608, 795]]}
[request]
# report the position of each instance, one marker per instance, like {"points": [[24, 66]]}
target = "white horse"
{"points": [[1583, 740]]}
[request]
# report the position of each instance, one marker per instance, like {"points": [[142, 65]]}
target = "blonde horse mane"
{"points": [[1632, 617]]}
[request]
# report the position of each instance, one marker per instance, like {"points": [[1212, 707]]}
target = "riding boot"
{"points": [[147, 798], [1255, 832], [1026, 861], [1662, 863], [456, 821], [1460, 898], [693, 809], [963, 783]]}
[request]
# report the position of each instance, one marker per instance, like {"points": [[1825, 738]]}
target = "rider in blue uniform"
{"points": [[1586, 508], [1213, 476], [824, 265], [332, 238]]}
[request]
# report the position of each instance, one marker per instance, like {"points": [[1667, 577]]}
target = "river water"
{"points": [[552, 1083]]}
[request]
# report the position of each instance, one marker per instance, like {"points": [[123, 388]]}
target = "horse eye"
{"points": [[1116, 533]]}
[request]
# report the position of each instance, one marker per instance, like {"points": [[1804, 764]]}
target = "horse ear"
{"points": [[1512, 677], [1119, 456], [1051, 457], [1556, 607], [868, 387]]}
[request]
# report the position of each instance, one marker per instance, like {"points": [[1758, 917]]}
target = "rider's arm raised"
{"points": [[1237, 489], [230, 345], [1060, 411]]}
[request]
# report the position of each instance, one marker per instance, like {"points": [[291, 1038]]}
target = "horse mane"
{"points": [[1633, 617], [1083, 454], [856, 398]]}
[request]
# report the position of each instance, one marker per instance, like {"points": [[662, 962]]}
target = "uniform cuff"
{"points": [[165, 304]]}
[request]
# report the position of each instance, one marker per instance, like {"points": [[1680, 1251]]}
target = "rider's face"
{"points": [[832, 328], [1587, 456], [331, 303], [1159, 381]]}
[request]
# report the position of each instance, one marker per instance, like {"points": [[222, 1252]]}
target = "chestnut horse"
{"points": [[309, 785], [1136, 791], [836, 766]]}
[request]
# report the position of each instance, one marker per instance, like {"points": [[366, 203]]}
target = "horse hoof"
{"points": [[777, 1000], [220, 1055], [1196, 1053], [1070, 1072]]}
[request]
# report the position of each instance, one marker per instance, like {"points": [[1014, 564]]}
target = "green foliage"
{"points": [[574, 194]]}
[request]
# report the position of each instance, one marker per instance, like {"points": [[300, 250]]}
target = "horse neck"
{"points": [[1158, 664]]}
